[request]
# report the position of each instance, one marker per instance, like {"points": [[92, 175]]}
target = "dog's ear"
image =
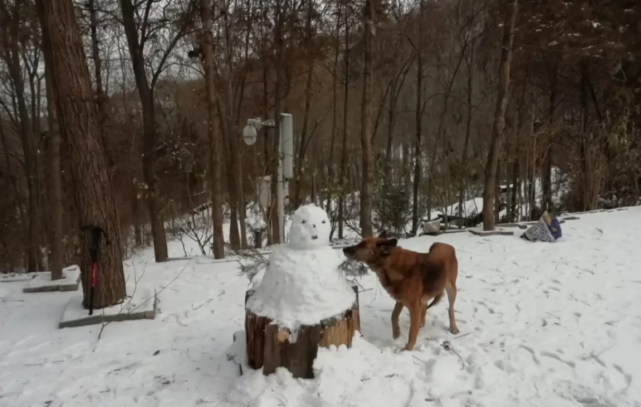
{"points": [[385, 247], [383, 234], [387, 243]]}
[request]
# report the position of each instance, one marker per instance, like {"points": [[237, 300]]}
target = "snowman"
{"points": [[303, 284]]}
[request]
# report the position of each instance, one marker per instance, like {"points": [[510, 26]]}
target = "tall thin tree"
{"points": [[53, 178], [366, 118], [491, 167], [215, 142], [12, 23], [136, 44]]}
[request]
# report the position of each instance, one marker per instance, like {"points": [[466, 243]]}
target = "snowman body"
{"points": [[303, 284]]}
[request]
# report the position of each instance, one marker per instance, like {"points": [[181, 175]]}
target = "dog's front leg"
{"points": [[416, 313], [396, 329]]}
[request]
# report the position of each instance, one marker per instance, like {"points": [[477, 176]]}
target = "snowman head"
{"points": [[310, 228]]}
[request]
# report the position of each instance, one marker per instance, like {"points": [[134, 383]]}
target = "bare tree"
{"points": [[54, 179], [499, 117], [13, 17], [137, 41], [215, 142], [369, 20]]}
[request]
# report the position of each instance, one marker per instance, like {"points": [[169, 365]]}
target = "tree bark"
{"points": [[419, 122], [275, 147], [237, 218], [343, 170], [53, 179], [468, 132], [330, 162], [145, 93], [499, 117], [302, 145], [267, 143], [547, 160], [78, 120], [97, 63], [238, 173], [221, 105], [215, 143], [367, 181]]}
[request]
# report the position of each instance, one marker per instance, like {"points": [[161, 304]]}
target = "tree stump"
{"points": [[270, 347]]}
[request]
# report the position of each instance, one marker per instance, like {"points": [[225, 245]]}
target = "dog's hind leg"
{"points": [[451, 296], [396, 329]]}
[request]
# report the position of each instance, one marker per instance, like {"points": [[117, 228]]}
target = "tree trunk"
{"points": [[407, 171], [215, 143], [516, 186], [53, 179], [275, 150], [97, 63], [497, 192], [17, 195], [225, 105], [267, 143], [499, 117], [366, 132], [343, 171], [11, 55], [330, 162], [302, 145], [390, 134], [138, 221], [149, 131], [419, 123], [237, 238], [547, 159], [232, 164], [78, 120], [468, 131]]}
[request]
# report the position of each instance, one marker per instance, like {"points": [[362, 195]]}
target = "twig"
{"points": [[256, 260], [460, 336], [448, 347]]}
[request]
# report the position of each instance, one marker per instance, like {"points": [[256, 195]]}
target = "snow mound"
{"points": [[301, 287], [367, 375], [303, 284]]}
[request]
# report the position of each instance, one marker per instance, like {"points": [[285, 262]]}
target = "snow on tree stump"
{"points": [[303, 301], [270, 347]]}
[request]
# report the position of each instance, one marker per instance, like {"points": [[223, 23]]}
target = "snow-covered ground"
{"points": [[541, 325]]}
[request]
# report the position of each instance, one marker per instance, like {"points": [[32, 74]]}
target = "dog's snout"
{"points": [[314, 226], [348, 251]]}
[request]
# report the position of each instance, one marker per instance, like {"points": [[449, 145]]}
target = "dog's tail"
{"points": [[435, 300]]}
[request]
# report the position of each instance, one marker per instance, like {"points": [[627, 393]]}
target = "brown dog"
{"points": [[411, 278]]}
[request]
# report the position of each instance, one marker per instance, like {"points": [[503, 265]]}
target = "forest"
{"points": [[129, 115]]}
